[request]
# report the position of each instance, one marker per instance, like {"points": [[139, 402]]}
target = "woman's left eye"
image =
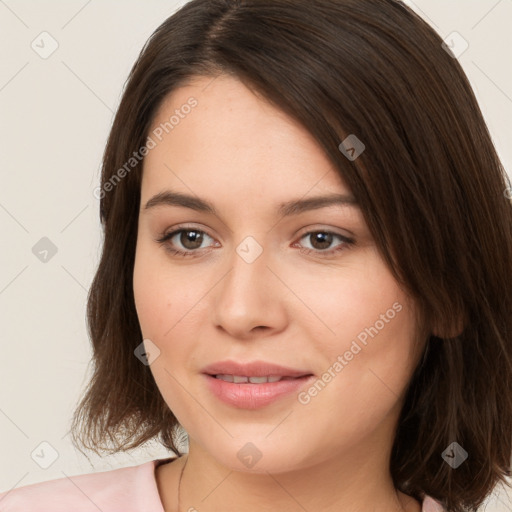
{"points": [[192, 239], [322, 240]]}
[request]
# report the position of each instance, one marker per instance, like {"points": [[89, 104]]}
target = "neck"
{"points": [[354, 484]]}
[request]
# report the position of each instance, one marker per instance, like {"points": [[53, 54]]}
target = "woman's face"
{"points": [[299, 286]]}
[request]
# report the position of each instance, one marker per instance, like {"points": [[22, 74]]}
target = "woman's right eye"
{"points": [[184, 241]]}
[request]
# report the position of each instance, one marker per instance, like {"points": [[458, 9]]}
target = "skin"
{"points": [[289, 307]]}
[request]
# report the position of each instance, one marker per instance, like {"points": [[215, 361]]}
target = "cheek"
{"points": [[152, 295], [354, 301], [375, 358], [362, 383], [167, 297], [368, 350], [165, 311]]}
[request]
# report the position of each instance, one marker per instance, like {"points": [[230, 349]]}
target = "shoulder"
{"points": [[130, 489], [431, 505]]}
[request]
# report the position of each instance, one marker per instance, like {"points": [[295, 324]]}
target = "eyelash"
{"points": [[347, 243]]}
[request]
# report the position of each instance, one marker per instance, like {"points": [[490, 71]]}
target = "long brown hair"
{"points": [[429, 183]]}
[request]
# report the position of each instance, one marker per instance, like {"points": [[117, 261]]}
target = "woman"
{"points": [[306, 266]]}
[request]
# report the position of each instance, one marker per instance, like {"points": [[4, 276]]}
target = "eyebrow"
{"points": [[294, 207]]}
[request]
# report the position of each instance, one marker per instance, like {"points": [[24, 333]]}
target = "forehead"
{"points": [[215, 133]]}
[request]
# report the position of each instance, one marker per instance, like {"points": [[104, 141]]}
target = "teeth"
{"points": [[258, 380], [237, 379], [227, 378]]}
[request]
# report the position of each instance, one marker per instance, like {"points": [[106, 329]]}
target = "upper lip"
{"points": [[252, 369]]}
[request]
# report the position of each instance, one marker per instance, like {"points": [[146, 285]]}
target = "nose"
{"points": [[249, 301]]}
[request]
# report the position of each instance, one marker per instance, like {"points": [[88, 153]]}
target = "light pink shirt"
{"points": [[131, 489]]}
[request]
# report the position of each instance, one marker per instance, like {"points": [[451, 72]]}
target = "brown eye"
{"points": [[191, 239], [320, 240], [321, 243], [185, 241]]}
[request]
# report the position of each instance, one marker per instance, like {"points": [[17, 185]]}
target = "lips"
{"points": [[255, 396], [243, 372], [255, 384], [243, 379]]}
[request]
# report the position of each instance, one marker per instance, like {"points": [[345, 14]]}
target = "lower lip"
{"points": [[254, 396]]}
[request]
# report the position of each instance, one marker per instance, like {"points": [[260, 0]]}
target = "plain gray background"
{"points": [[56, 110]]}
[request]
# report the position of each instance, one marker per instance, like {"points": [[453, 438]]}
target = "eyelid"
{"points": [[313, 228], [168, 234], [346, 242], [300, 234]]}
